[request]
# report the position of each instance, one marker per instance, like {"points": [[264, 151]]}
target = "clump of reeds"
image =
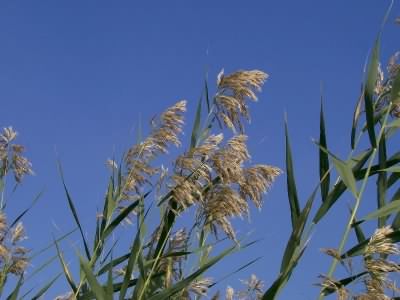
{"points": [[14, 257], [212, 178]]}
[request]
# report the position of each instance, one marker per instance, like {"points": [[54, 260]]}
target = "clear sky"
{"points": [[76, 76]]}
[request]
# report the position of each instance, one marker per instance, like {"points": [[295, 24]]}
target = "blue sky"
{"points": [[76, 76]]}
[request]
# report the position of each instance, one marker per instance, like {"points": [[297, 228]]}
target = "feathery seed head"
{"points": [[230, 292], [380, 243], [233, 91], [18, 233], [256, 181], [228, 161], [200, 286], [164, 133]]}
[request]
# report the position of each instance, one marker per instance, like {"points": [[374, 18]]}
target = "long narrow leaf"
{"points": [[46, 287], [19, 217], [370, 82], [14, 294], [93, 283], [384, 211], [74, 212], [291, 183], [346, 174], [360, 247], [166, 293], [340, 187], [66, 271], [323, 158], [382, 179], [356, 117], [196, 125]]}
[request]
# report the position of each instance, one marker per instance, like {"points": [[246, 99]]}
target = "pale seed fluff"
{"points": [[8, 135], [228, 161], [256, 181], [233, 92], [380, 243], [18, 233], [165, 132], [230, 292], [331, 285], [200, 286]]}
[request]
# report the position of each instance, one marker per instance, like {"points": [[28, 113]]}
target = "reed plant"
{"points": [[213, 180]]}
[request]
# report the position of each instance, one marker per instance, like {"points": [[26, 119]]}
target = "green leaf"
{"points": [[235, 271], [41, 267], [74, 212], [294, 241], [342, 283], [196, 124], [132, 260], [340, 187], [46, 287], [394, 169], [26, 210], [384, 211], [382, 179], [184, 283], [360, 247], [370, 82], [323, 158], [118, 219], [356, 117], [15, 292], [66, 271], [346, 174], [291, 183], [395, 123], [278, 284], [89, 295], [52, 244], [207, 95], [96, 288]]}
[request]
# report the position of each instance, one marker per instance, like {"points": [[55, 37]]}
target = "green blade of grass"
{"points": [[14, 294], [196, 125], [291, 183], [360, 247], [89, 295], [235, 271], [323, 158], [384, 211], [340, 187], [66, 271], [118, 219], [357, 229], [382, 179], [132, 260], [346, 174], [182, 284], [356, 117], [395, 93], [45, 288], [23, 213], [53, 244], [74, 212], [95, 286], [41, 267], [296, 235], [278, 284], [343, 282], [370, 82]]}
